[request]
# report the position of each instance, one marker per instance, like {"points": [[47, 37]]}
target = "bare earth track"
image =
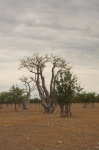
{"points": [[32, 130]]}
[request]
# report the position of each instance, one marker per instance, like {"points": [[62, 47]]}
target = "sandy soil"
{"points": [[32, 130]]}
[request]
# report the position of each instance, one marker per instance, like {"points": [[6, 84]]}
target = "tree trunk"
{"points": [[65, 110], [62, 110], [47, 110], [69, 110], [25, 104], [44, 94]]}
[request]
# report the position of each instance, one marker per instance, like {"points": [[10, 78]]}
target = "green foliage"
{"points": [[5, 98], [97, 98], [2, 97], [66, 87], [16, 94], [85, 97], [35, 101]]}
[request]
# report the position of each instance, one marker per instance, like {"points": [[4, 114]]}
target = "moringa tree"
{"points": [[36, 65], [28, 90]]}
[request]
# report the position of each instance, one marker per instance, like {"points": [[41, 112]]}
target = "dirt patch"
{"points": [[32, 130]]}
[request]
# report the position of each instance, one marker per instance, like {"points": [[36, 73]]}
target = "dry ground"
{"points": [[32, 130]]}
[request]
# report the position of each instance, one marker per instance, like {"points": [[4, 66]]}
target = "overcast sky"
{"points": [[66, 28]]}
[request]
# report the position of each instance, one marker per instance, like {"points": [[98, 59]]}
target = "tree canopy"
{"points": [[66, 89], [36, 65]]}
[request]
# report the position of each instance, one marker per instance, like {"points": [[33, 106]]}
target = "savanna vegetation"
{"points": [[64, 89]]}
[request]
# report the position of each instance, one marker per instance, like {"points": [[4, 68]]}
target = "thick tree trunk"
{"points": [[50, 109], [25, 104], [44, 94], [47, 110]]}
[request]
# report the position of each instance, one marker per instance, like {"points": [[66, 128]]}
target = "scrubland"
{"points": [[33, 130]]}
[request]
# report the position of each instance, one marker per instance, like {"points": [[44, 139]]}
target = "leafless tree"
{"points": [[36, 65], [28, 89]]}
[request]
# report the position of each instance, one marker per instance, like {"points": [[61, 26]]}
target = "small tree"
{"points": [[16, 95], [97, 98], [28, 89], [5, 98], [66, 88], [92, 98], [83, 98], [2, 99], [87, 98]]}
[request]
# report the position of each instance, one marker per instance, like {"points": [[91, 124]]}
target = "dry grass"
{"points": [[32, 130]]}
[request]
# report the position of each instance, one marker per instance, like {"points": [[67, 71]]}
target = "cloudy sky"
{"points": [[66, 28]]}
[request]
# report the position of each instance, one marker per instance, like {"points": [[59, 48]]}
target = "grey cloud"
{"points": [[46, 14]]}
